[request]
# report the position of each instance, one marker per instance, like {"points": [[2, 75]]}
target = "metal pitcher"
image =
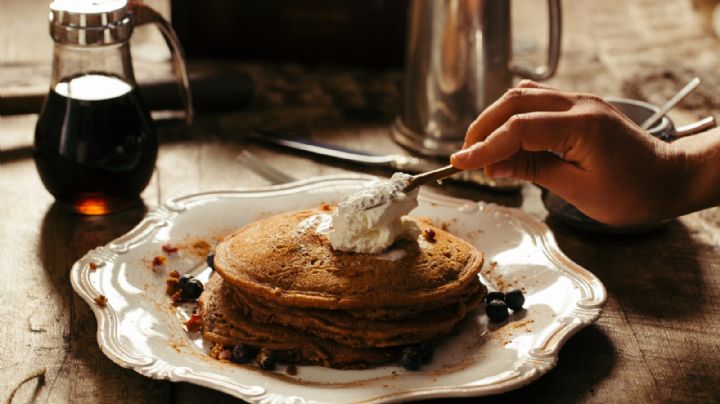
{"points": [[458, 62]]}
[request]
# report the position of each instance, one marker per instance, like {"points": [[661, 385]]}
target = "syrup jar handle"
{"points": [[142, 15]]}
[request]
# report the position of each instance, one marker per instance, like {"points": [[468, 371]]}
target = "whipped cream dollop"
{"points": [[370, 220]]}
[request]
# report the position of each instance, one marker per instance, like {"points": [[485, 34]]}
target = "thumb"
{"points": [[543, 168], [527, 83]]}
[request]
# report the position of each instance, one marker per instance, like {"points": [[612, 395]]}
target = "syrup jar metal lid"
{"points": [[90, 22]]}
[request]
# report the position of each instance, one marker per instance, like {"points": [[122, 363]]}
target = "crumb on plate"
{"points": [[101, 300]]}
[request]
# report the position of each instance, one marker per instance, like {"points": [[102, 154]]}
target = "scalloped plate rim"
{"points": [[172, 207]]}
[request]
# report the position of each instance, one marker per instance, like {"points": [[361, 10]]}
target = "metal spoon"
{"points": [[430, 176], [679, 96]]}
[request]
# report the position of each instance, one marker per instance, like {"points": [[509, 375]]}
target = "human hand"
{"points": [[583, 149]]}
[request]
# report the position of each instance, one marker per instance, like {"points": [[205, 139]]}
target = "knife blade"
{"points": [[397, 162]]}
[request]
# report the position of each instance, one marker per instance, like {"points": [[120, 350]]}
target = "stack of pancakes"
{"points": [[279, 285]]}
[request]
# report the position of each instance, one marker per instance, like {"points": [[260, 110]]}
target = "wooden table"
{"points": [[657, 340]]}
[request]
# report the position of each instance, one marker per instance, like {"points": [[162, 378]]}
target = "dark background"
{"points": [[366, 33]]}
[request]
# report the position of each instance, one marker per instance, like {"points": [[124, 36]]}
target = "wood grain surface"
{"points": [[658, 339]]}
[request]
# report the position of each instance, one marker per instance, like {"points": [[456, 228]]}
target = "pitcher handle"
{"points": [[142, 15], [555, 31]]}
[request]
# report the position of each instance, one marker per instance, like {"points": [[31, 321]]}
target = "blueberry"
{"points": [[515, 299], [266, 359], [192, 289], [494, 296], [411, 358], [182, 281], [211, 261], [243, 353], [426, 352], [497, 311]]}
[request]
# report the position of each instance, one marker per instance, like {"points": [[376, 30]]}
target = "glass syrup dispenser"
{"points": [[95, 143]]}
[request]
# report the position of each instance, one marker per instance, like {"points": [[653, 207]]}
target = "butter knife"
{"points": [[397, 162]]}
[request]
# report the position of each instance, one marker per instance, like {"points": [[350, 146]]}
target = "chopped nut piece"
{"points": [[325, 206], [193, 324], [429, 234], [225, 355], [159, 260], [216, 349], [101, 300], [171, 286], [169, 248], [93, 266], [172, 283], [177, 297]]}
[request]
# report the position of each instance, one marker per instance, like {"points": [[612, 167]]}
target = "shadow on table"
{"points": [[65, 237], [585, 361], [662, 290], [655, 274]]}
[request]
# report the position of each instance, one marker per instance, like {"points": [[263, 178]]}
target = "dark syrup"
{"points": [[95, 147]]}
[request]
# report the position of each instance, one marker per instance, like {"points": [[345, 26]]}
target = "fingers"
{"points": [[527, 83], [544, 169], [534, 131], [515, 101]]}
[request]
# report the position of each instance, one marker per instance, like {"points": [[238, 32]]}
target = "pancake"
{"points": [[350, 330], [287, 260], [393, 313], [279, 285], [223, 322]]}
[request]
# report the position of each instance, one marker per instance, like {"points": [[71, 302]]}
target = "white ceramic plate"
{"points": [[141, 330]]}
